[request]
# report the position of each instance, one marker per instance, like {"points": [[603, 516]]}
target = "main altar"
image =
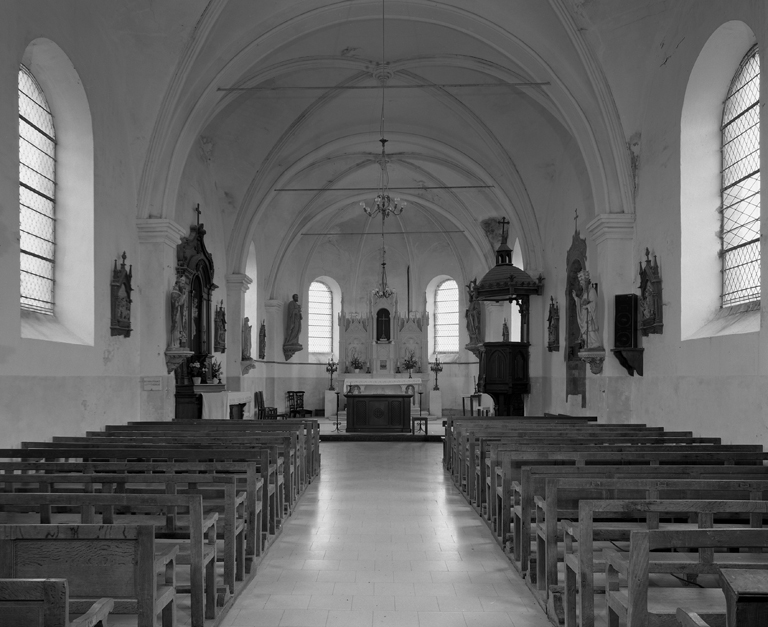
{"points": [[381, 349]]}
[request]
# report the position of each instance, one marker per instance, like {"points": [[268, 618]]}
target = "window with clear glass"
{"points": [[446, 327], [320, 318], [740, 226], [37, 192]]}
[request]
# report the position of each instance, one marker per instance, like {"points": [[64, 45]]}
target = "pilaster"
{"points": [[158, 239], [613, 234], [237, 286]]}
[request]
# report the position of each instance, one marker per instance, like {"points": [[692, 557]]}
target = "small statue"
{"points": [[246, 353], [505, 331], [293, 324], [179, 313], [586, 311], [473, 313], [262, 340]]}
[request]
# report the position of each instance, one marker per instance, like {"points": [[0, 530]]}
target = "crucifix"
{"points": [[576, 219], [503, 223], [198, 212]]}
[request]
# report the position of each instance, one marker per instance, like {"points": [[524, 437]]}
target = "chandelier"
{"points": [[384, 204]]}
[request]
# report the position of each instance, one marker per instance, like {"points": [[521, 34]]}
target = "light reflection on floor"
{"points": [[383, 538]]}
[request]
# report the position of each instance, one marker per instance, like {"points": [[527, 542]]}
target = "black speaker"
{"points": [[625, 321]]}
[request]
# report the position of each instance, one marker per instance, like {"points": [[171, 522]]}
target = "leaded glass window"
{"points": [[740, 230], [447, 317], [37, 191], [320, 318]]}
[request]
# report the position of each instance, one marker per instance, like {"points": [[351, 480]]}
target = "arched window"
{"points": [[446, 327], [320, 318], [740, 191], [37, 190]]}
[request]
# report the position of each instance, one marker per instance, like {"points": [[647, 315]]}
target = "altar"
{"points": [[392, 385]]}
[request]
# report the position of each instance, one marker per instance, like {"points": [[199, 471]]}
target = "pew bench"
{"points": [[196, 547], [121, 562], [260, 498], [585, 540], [630, 599], [45, 603]]}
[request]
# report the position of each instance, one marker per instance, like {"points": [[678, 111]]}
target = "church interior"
{"points": [[219, 209]]}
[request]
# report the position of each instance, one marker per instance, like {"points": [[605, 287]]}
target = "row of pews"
{"points": [[127, 519], [635, 519]]}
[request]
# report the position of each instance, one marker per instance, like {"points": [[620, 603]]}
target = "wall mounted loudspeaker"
{"points": [[625, 321]]}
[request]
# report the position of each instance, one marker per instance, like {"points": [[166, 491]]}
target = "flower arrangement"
{"points": [[355, 361], [197, 368], [216, 369], [409, 362]]}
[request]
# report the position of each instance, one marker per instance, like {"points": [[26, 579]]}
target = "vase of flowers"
{"points": [[355, 362], [197, 370], [216, 370], [409, 363]]}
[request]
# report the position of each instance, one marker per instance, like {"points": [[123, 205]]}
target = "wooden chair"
{"points": [[45, 603], [296, 404], [119, 561]]}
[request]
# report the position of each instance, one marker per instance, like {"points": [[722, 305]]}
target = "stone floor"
{"points": [[382, 538]]}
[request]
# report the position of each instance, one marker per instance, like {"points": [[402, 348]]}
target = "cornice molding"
{"points": [[612, 226], [159, 231]]}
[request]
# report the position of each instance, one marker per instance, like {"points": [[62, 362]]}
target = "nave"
{"points": [[382, 537]]}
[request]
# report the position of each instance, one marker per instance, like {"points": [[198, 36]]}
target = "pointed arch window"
{"points": [[37, 191], [446, 328], [320, 318], [740, 190]]}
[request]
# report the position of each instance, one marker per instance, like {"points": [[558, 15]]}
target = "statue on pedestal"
{"points": [[246, 349], [179, 305], [292, 328], [586, 312]]}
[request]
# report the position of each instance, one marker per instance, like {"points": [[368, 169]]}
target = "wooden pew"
{"points": [[450, 421], [478, 447], [533, 482], [282, 447], [549, 507], [220, 495], [643, 606], [45, 603], [117, 561], [168, 454], [510, 462], [580, 565], [311, 426], [198, 550], [260, 494]]}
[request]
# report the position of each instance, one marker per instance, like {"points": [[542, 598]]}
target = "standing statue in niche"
{"points": [[179, 313], [586, 312], [292, 328], [246, 352], [473, 314]]}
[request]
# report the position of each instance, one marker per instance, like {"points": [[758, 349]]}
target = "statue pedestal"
{"points": [[289, 350], [435, 403], [594, 357], [330, 403]]}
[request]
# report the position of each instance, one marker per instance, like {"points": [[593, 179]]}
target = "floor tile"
{"points": [[382, 538]]}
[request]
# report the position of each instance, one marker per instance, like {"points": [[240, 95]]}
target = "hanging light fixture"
{"points": [[384, 204]]}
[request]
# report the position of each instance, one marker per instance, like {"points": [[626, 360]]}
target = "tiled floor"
{"points": [[382, 538]]}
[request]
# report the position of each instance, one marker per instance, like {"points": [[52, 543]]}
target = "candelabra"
{"points": [[330, 369], [436, 368]]}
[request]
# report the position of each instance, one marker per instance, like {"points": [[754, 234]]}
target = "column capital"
{"points": [[235, 280], [159, 231], [273, 304], [612, 226]]}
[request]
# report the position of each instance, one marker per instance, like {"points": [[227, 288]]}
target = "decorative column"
{"points": [[158, 239], [237, 286]]}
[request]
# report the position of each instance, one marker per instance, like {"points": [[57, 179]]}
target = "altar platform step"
{"points": [[328, 432]]}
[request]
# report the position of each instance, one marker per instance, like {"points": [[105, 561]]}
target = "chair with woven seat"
{"points": [[296, 404]]}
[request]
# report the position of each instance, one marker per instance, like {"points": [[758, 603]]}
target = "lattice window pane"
{"points": [[740, 248], [320, 318], [447, 317], [37, 187]]}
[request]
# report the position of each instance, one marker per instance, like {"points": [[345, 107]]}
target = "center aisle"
{"points": [[383, 538]]}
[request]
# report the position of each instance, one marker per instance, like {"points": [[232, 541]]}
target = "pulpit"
{"points": [[504, 375]]}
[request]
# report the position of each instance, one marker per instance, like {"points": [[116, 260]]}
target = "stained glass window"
{"points": [[740, 231], [447, 317], [320, 318], [37, 191]]}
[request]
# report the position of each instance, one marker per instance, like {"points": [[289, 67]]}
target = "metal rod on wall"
{"points": [[408, 276]]}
